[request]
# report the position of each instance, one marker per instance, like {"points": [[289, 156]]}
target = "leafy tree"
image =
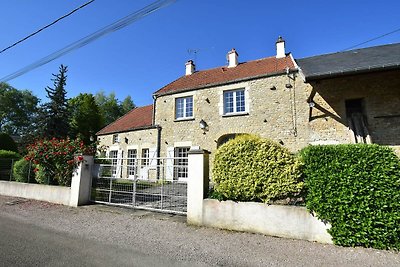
{"points": [[18, 110], [110, 108], [127, 105], [55, 116], [85, 117], [7, 143]]}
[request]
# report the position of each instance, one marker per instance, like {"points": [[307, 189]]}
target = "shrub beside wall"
{"points": [[357, 189], [23, 171], [250, 168]]}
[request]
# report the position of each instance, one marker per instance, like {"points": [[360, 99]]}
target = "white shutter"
{"points": [[119, 163], [169, 163], [153, 157]]}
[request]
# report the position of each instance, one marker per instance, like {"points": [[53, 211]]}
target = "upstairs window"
{"points": [[184, 107], [234, 102], [115, 138]]}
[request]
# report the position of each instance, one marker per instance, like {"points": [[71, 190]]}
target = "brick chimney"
{"points": [[190, 67], [280, 48], [232, 58]]}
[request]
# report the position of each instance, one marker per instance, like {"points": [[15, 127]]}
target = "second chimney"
{"points": [[232, 58], [280, 48], [190, 67]]}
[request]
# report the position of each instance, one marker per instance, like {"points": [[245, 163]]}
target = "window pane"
{"points": [[240, 101], [179, 104], [132, 154], [181, 162], [189, 106], [228, 102], [145, 157]]}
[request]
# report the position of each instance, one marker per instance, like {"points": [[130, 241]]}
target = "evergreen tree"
{"points": [[55, 113]]}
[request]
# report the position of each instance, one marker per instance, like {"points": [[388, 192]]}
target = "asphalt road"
{"points": [[23, 244], [34, 233]]}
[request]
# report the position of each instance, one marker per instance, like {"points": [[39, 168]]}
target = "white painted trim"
{"points": [[183, 144]]}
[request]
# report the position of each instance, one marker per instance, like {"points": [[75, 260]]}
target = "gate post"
{"points": [[81, 182], [198, 180]]}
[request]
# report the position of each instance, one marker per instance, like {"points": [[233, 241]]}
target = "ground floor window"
{"points": [[132, 155], [114, 162], [181, 163], [145, 157]]}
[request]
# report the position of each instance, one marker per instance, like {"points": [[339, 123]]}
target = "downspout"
{"points": [[158, 138]]}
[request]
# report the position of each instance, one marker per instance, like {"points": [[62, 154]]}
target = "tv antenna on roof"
{"points": [[193, 51]]}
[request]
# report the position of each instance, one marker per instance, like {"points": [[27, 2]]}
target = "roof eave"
{"points": [[314, 77], [270, 74], [128, 130]]}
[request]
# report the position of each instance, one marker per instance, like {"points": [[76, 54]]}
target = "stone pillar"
{"points": [[81, 182], [198, 181]]}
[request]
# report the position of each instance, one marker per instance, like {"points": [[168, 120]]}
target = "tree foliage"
{"points": [[18, 110], [7, 143], [110, 108], [54, 115], [85, 117]]}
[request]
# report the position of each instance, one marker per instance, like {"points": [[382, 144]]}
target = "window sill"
{"points": [[184, 119], [235, 114]]}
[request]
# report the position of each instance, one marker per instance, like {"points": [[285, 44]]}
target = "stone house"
{"points": [[318, 100]]}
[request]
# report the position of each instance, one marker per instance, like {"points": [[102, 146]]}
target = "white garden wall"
{"points": [[49, 193], [76, 195], [275, 220]]}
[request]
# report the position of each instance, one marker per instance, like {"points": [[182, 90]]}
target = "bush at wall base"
{"points": [[356, 188], [250, 168], [23, 171]]}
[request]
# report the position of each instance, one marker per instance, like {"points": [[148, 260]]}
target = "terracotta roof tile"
{"points": [[137, 118], [222, 75]]}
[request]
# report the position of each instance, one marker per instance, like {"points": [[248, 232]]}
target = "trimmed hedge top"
{"points": [[357, 189], [249, 168], [6, 154]]}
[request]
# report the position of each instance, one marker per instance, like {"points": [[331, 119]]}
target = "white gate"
{"points": [[146, 183]]}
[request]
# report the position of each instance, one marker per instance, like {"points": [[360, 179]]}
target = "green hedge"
{"points": [[6, 154], [249, 168], [357, 189]]}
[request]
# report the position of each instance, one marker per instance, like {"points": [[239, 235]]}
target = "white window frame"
{"points": [[185, 116], [235, 106], [145, 157], [131, 160], [115, 139]]}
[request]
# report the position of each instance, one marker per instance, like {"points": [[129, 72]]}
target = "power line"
{"points": [[370, 40], [48, 25], [119, 24]]}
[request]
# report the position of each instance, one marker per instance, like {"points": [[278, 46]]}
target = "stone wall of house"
{"points": [[381, 100], [274, 111], [130, 140]]}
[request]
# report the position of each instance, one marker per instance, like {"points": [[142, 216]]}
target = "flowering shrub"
{"points": [[56, 159]]}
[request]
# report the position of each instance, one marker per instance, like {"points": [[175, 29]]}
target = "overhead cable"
{"points": [[45, 27], [370, 40], [121, 23]]}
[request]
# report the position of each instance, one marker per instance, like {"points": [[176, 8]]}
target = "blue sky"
{"points": [[144, 56]]}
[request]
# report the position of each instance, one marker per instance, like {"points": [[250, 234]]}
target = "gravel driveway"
{"points": [[170, 237]]}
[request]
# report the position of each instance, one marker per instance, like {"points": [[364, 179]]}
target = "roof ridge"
{"points": [[347, 51]]}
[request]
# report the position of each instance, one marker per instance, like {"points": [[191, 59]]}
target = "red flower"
{"points": [[80, 158]]}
